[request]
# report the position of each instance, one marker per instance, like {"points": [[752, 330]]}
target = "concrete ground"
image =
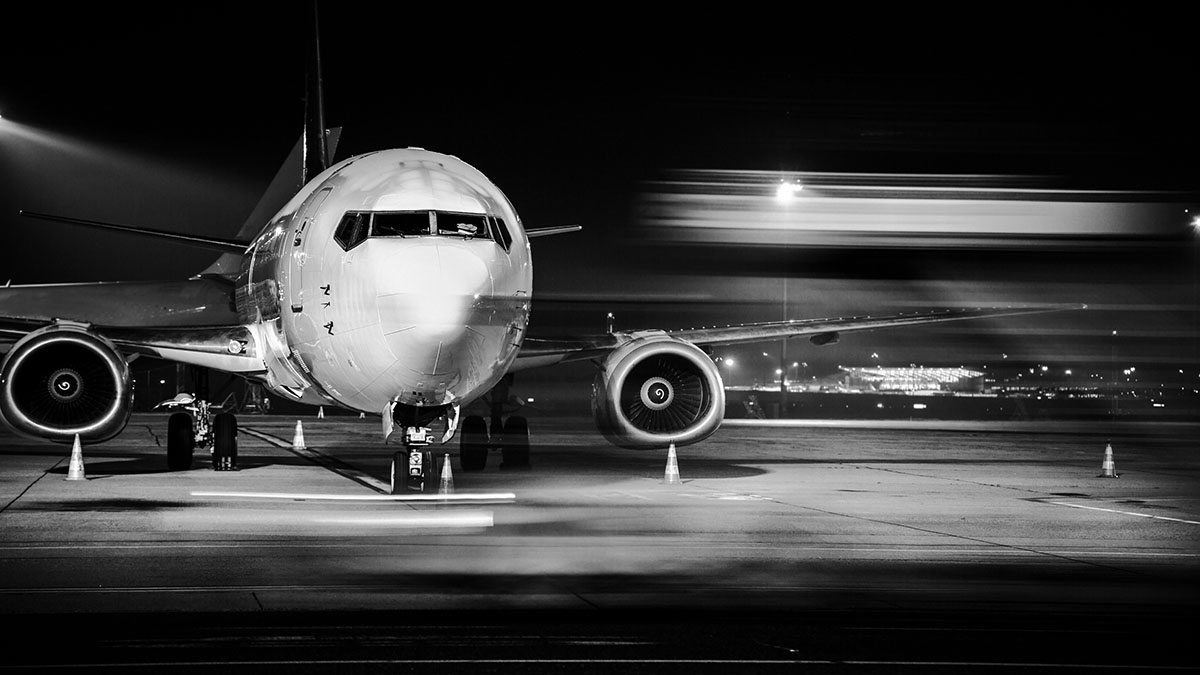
{"points": [[886, 546]]}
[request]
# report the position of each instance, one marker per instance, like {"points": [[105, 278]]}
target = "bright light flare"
{"points": [[787, 191]]}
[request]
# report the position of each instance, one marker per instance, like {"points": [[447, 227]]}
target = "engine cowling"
{"points": [[656, 390], [60, 381]]}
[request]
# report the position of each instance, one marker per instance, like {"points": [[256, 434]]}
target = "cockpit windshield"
{"points": [[356, 226], [400, 224], [462, 224]]}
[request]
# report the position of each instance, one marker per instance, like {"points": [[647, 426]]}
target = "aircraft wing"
{"points": [[187, 321], [535, 352]]}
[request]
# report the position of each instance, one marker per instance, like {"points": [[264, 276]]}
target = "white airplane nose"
{"points": [[425, 291]]}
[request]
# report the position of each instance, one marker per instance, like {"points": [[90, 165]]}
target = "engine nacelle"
{"points": [[62, 380], [657, 390]]}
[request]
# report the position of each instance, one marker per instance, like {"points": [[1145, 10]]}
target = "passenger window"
{"points": [[502, 234], [352, 230], [401, 224], [469, 225]]}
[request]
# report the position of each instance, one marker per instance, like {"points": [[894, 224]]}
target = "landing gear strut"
{"points": [[510, 436], [198, 425]]}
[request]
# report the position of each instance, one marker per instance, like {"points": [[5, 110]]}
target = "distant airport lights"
{"points": [[787, 191]]}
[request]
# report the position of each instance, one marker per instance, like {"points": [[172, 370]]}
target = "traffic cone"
{"points": [[672, 473], [321, 412], [75, 472], [1109, 468], [298, 439], [447, 484], [362, 416]]}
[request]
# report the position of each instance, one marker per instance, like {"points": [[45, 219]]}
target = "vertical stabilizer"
{"points": [[316, 155]]}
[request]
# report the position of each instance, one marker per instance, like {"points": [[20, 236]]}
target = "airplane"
{"points": [[397, 282]]}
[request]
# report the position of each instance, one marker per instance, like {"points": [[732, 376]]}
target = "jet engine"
{"points": [[656, 390], [62, 380]]}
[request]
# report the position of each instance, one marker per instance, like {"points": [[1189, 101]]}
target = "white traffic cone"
{"points": [[447, 485], [672, 473], [75, 472], [362, 416], [321, 412], [298, 439], [1109, 468]]}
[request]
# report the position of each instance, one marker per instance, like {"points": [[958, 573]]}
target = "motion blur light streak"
{"points": [[854, 210], [416, 520]]}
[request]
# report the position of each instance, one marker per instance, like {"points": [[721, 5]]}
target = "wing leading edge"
{"points": [[535, 353]]}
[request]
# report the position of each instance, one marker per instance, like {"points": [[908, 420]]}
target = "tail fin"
{"points": [[316, 155], [311, 155]]}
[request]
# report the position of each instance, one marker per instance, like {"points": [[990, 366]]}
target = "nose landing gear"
{"points": [[414, 468]]}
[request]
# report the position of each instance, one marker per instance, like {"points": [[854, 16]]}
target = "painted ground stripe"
{"points": [[1126, 513], [332, 463]]}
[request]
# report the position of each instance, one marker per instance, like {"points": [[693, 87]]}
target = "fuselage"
{"points": [[396, 276]]}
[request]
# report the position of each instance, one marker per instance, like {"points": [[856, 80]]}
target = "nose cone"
{"points": [[426, 289]]}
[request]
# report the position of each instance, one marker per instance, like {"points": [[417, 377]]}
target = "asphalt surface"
{"points": [[853, 547]]}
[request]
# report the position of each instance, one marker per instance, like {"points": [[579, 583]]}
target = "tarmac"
{"points": [[840, 546]]}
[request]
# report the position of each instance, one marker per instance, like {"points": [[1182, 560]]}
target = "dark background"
{"points": [[177, 117]]}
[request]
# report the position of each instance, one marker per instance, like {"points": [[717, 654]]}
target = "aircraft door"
{"points": [[299, 249]]}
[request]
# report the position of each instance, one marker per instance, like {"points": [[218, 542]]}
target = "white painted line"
{"points": [[330, 463], [459, 498], [1126, 513]]}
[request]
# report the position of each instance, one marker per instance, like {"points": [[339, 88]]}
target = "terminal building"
{"points": [[911, 380]]}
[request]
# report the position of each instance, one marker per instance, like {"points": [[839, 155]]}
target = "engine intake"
{"points": [[60, 381], [657, 390]]}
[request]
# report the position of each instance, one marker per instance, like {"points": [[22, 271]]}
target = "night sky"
{"points": [[178, 118]]}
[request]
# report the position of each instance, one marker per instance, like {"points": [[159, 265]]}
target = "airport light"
{"points": [[786, 192]]}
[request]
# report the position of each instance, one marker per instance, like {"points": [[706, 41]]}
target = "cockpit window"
{"points": [[356, 226], [400, 224], [471, 225], [352, 230], [502, 234]]}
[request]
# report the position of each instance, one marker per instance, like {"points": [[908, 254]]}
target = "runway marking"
{"points": [[457, 498], [1126, 513], [332, 463]]}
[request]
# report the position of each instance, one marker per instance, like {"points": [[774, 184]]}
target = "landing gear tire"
{"points": [[225, 451], [414, 472], [515, 446], [473, 440], [181, 442]]}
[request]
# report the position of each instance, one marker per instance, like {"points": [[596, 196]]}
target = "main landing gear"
{"points": [[510, 435], [196, 424]]}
